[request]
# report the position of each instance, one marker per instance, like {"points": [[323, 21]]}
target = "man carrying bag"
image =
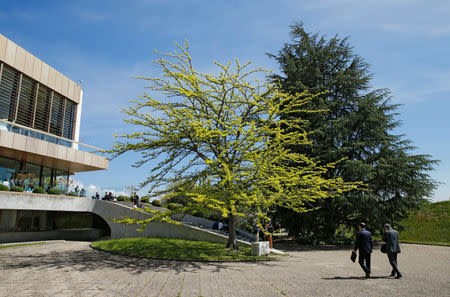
{"points": [[392, 248], [364, 244]]}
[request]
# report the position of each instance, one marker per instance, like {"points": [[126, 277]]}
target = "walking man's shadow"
{"points": [[355, 277]]}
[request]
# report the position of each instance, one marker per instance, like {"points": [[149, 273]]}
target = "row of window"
{"points": [[29, 175], [26, 102], [12, 220]]}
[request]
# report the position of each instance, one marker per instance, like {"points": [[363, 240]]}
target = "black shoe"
{"points": [[392, 273], [398, 276], [367, 274]]}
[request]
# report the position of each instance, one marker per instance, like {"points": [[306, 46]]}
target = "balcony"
{"points": [[27, 144]]}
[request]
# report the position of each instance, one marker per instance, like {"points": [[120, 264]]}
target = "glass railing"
{"points": [[41, 135]]}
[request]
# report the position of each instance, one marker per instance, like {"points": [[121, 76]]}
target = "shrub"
{"points": [[173, 206], [145, 199], [39, 190], [54, 191], [16, 189], [123, 198], [3, 187], [156, 202], [72, 194]]}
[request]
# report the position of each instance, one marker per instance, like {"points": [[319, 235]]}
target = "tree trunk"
{"points": [[232, 243]]}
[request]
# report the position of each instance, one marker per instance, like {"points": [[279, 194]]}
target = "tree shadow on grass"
{"points": [[89, 259]]}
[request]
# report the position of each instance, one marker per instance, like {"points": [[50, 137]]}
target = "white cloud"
{"points": [[91, 189]]}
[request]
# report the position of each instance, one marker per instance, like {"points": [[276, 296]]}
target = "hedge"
{"points": [[39, 190], [54, 191], [16, 189]]}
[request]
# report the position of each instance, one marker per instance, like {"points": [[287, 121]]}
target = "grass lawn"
{"points": [[429, 225], [175, 249], [5, 246]]}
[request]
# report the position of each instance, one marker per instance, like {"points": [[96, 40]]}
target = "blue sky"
{"points": [[107, 43]]}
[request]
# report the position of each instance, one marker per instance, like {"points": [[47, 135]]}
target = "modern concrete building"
{"points": [[40, 112]]}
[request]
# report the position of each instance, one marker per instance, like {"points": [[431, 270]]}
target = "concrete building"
{"points": [[40, 112]]}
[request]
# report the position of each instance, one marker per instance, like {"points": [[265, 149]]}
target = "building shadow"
{"points": [[91, 260]]}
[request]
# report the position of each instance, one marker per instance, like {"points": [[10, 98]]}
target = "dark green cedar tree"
{"points": [[358, 125]]}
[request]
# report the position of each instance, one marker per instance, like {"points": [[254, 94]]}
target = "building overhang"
{"points": [[40, 152]]}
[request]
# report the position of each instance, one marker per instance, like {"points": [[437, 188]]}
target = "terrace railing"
{"points": [[27, 131]]}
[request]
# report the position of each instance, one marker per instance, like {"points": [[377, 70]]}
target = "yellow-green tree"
{"points": [[224, 134]]}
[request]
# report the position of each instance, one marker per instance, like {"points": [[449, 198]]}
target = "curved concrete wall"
{"points": [[106, 210]]}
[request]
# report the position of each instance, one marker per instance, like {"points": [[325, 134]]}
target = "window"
{"points": [[69, 119], [26, 101], [42, 108], [56, 119], [48, 111], [9, 86]]}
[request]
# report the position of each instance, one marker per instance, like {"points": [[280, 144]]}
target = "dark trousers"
{"points": [[393, 260], [364, 261]]}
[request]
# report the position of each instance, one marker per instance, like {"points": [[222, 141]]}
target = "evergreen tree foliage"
{"points": [[359, 126], [222, 134]]}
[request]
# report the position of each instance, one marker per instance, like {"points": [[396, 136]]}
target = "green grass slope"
{"points": [[429, 225]]}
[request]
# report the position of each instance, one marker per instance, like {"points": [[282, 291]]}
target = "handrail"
{"points": [[51, 135]]}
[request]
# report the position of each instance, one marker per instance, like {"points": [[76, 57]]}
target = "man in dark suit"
{"points": [[392, 248], [365, 244]]}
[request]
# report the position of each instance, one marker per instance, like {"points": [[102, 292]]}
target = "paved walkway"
{"points": [[63, 268]]}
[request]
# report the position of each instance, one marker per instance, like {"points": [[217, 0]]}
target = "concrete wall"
{"points": [[18, 58], [106, 210], [196, 220], [78, 120], [186, 218], [73, 234]]}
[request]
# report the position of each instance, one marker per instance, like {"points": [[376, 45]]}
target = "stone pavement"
{"points": [[63, 268]]}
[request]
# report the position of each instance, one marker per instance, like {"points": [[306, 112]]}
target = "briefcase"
{"points": [[353, 256], [383, 248]]}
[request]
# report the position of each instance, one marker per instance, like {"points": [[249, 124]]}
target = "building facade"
{"points": [[40, 112]]}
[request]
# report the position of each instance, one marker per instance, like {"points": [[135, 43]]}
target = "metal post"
{"points": [[41, 178], [67, 182], [52, 177]]}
